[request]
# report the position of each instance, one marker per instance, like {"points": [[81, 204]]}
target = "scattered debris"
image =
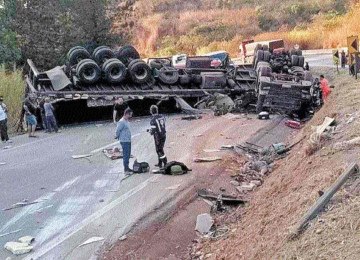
{"points": [[175, 187], [2, 163], [18, 248], [22, 247], [211, 150], [9, 233], [27, 239], [124, 237], [101, 200], [207, 159], [264, 116], [7, 147], [21, 204], [227, 147], [81, 156], [247, 186], [235, 183], [91, 240], [328, 121], [325, 198], [293, 124], [346, 145], [231, 116], [191, 117], [114, 153], [204, 222], [226, 199]]}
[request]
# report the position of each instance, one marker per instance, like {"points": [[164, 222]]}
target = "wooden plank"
{"points": [[325, 198]]}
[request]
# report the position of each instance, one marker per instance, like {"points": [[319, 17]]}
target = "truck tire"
{"points": [[196, 79], [299, 52], [260, 55], [159, 63], [114, 71], [231, 83], [267, 56], [301, 61], [127, 53], [72, 49], [103, 53], [88, 71], [260, 103], [77, 54], [168, 75], [294, 60], [265, 47], [184, 79], [139, 71]]}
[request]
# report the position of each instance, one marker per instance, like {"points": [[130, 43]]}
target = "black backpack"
{"points": [[141, 167]]}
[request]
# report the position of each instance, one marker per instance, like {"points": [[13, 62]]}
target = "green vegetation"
{"points": [[12, 89]]}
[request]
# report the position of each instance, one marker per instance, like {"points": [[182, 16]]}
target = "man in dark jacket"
{"points": [[158, 130]]}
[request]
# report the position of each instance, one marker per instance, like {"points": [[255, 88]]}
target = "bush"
{"points": [[12, 89]]}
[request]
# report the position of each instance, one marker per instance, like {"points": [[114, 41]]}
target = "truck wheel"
{"points": [[260, 55], [301, 61], [184, 79], [260, 103], [265, 47], [77, 54], [299, 52], [294, 60], [88, 72], [159, 63], [103, 53], [267, 56], [72, 49], [231, 83], [168, 75], [196, 79], [139, 71], [114, 71], [127, 53]]}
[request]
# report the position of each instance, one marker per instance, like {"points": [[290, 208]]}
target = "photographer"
{"points": [[158, 130]]}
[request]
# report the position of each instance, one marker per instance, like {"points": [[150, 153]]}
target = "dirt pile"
{"points": [[291, 189]]}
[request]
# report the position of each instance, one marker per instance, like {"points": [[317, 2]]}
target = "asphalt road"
{"points": [[71, 194]]}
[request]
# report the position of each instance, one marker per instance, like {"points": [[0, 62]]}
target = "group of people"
{"points": [[47, 115], [123, 132]]}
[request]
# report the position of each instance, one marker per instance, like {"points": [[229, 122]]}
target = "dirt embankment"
{"points": [[264, 226]]}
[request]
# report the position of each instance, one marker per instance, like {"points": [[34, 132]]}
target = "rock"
{"points": [[18, 248], [123, 238], [247, 186], [204, 222], [256, 182], [235, 183], [27, 239], [318, 231]]}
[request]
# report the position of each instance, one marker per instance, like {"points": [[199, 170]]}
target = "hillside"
{"points": [[166, 27]]}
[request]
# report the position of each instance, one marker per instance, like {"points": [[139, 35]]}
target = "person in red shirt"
{"points": [[325, 89]]}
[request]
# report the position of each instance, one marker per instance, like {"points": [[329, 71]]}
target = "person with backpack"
{"points": [[158, 130]]}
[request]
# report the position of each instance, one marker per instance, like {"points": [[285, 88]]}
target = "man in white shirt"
{"points": [[3, 122]]}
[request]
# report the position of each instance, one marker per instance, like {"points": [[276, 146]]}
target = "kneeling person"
{"points": [[158, 130]]}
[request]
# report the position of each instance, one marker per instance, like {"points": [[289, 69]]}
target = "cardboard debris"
{"points": [[18, 248], [207, 159], [204, 222], [81, 156], [92, 240], [328, 121]]}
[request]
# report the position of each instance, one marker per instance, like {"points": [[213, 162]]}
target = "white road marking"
{"points": [[76, 228], [110, 145], [30, 143]]}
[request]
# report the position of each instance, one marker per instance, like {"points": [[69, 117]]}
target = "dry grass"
{"points": [[291, 190], [12, 89]]}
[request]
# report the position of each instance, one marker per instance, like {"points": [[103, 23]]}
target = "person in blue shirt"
{"points": [[123, 134]]}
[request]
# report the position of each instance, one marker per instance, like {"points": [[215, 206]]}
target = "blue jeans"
{"points": [[126, 147], [51, 123]]}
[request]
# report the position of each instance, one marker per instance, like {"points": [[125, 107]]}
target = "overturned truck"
{"points": [[100, 77]]}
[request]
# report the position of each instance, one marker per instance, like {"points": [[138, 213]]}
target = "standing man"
{"points": [[343, 59], [158, 130], [123, 134], [30, 112], [3, 122], [119, 108], [325, 89], [50, 117]]}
